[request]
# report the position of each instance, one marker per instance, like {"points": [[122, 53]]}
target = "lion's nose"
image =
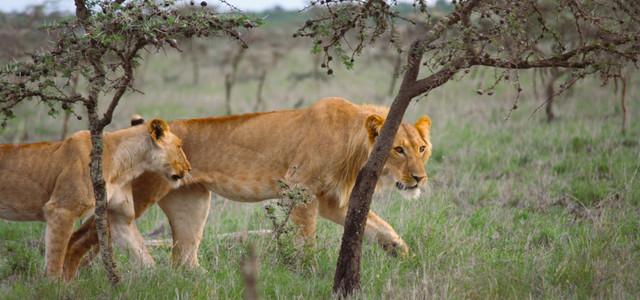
{"points": [[418, 178]]}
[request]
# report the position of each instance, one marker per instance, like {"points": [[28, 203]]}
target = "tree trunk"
{"points": [[550, 92], [249, 270], [228, 85], [194, 60], [623, 103], [65, 123], [396, 70], [100, 191], [261, 80], [549, 106], [347, 277], [230, 78], [96, 127]]}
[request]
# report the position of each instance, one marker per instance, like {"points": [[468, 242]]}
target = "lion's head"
{"points": [[411, 150], [168, 157]]}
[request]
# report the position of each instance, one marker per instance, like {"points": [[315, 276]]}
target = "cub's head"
{"points": [[409, 153], [167, 157]]}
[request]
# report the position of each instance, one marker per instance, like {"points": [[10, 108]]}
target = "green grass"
{"points": [[519, 208]]}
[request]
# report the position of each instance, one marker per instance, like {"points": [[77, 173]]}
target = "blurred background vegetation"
{"points": [[515, 208]]}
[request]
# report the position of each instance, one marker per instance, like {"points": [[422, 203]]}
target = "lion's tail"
{"points": [[136, 119]]}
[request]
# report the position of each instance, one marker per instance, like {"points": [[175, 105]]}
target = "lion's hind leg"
{"points": [[82, 240]]}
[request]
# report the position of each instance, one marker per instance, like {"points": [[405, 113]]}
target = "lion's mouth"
{"points": [[403, 187], [174, 180]]}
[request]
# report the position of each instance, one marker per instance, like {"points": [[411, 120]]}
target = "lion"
{"points": [[50, 182], [244, 157]]}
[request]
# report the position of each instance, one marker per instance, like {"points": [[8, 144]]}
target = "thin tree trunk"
{"points": [[623, 102], [549, 104], [194, 60], [534, 82], [228, 84], [142, 70], [67, 115], [550, 92], [230, 78], [396, 69], [102, 224], [96, 127], [261, 80], [249, 270], [100, 191], [316, 66], [347, 276], [65, 125]]}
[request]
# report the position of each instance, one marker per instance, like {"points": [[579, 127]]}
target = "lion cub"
{"points": [[49, 182]]}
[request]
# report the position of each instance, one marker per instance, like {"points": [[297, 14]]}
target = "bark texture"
{"points": [[100, 192], [347, 276], [96, 127]]}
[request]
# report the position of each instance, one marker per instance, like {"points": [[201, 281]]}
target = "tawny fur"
{"points": [[242, 158], [49, 182]]}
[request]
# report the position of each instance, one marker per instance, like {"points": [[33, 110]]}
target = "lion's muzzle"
{"points": [[403, 187]]}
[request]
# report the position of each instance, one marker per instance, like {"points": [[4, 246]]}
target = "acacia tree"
{"points": [[507, 35], [102, 44]]}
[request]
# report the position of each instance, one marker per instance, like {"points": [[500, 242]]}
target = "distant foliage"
{"points": [[590, 37], [20, 31], [104, 50]]}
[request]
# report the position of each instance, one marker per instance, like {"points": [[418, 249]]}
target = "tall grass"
{"points": [[516, 208]]}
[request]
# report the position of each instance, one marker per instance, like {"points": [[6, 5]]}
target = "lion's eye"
{"points": [[422, 149], [399, 150]]}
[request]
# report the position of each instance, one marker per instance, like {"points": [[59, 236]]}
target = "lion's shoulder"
{"points": [[342, 108], [78, 142]]}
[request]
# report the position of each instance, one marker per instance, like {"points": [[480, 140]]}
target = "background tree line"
{"points": [[572, 40]]}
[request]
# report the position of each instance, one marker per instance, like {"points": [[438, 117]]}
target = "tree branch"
{"points": [[125, 80]]}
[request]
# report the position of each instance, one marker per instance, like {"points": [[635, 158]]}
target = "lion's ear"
{"points": [[374, 125], [136, 119], [158, 129], [424, 127]]}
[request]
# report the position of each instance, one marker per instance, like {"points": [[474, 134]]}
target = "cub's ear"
{"points": [[424, 127], [158, 129], [374, 125]]}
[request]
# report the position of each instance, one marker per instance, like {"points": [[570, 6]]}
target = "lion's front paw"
{"points": [[397, 248], [306, 243]]}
